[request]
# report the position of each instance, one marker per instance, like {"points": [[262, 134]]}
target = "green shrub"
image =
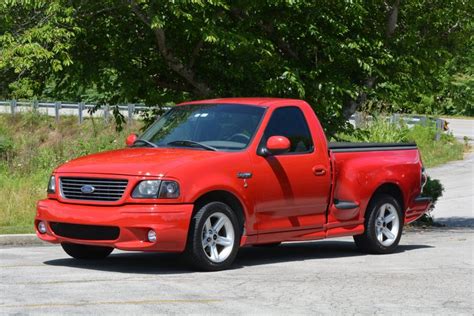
{"points": [[433, 189]]}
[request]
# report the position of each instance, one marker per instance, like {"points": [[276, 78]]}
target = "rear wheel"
{"points": [[86, 252], [214, 237], [383, 226]]}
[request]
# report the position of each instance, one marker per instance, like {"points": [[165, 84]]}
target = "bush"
{"points": [[433, 189]]}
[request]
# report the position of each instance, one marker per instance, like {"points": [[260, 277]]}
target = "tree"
{"points": [[338, 55]]}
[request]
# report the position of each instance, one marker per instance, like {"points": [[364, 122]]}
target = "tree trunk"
{"points": [[351, 106]]}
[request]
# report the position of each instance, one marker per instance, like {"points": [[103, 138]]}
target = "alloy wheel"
{"points": [[387, 224], [218, 237]]}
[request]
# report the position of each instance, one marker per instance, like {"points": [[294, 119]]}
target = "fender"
{"points": [[243, 198], [203, 177]]}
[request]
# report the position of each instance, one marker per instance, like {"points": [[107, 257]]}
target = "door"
{"points": [[291, 188]]}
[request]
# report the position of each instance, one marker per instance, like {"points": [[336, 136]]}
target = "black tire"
{"points": [[195, 252], [368, 241], [269, 245], [86, 252]]}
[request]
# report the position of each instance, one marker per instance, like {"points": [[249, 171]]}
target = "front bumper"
{"points": [[419, 206], [169, 221]]}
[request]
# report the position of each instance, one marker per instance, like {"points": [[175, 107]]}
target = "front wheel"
{"points": [[86, 252], [383, 226], [214, 237]]}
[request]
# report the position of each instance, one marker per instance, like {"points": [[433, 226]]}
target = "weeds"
{"points": [[31, 146]]}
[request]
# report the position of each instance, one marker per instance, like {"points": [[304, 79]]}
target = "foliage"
{"points": [[433, 189], [37, 145], [411, 56]]}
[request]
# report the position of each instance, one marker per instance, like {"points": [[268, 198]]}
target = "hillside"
{"points": [[31, 146]]}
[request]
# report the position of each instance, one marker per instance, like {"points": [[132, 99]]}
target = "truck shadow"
{"points": [[167, 263]]}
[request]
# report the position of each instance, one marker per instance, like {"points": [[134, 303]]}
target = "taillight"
{"points": [[424, 178]]}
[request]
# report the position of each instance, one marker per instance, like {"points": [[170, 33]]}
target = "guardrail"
{"points": [[80, 109], [59, 108]]}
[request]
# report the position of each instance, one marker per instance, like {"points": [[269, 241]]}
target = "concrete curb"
{"points": [[20, 240]]}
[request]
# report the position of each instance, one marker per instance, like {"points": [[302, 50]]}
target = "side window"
{"points": [[291, 123]]}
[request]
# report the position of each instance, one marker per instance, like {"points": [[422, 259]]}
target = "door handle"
{"points": [[319, 171]]}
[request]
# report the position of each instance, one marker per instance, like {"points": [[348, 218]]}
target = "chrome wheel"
{"points": [[387, 224], [218, 237]]}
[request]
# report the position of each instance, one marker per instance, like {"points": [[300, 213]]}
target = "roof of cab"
{"points": [[264, 102]]}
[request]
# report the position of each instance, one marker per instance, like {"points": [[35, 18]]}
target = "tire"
{"points": [[383, 226], [269, 245], [86, 252], [214, 237]]}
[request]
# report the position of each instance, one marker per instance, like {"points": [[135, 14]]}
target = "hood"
{"points": [[136, 161]]}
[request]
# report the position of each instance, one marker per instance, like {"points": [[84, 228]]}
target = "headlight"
{"points": [[169, 190], [147, 189], [52, 185], [156, 189]]}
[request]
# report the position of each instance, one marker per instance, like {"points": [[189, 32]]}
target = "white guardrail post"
{"points": [[35, 105], [57, 106], [439, 128], [130, 108], [106, 110], [13, 106], [80, 108]]}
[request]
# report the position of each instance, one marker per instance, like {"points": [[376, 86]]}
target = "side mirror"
{"points": [[131, 140], [277, 145]]}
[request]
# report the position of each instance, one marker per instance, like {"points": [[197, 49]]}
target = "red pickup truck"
{"points": [[211, 176]]}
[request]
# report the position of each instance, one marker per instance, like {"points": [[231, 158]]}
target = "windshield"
{"points": [[216, 126]]}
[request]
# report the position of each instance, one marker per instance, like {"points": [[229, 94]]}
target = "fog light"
{"points": [[42, 227], [151, 235]]}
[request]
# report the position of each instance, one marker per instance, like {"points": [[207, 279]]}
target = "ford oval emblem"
{"points": [[87, 189]]}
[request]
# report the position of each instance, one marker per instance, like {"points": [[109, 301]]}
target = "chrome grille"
{"points": [[103, 189]]}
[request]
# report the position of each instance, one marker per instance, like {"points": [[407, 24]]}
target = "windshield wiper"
{"points": [[144, 141], [190, 143]]}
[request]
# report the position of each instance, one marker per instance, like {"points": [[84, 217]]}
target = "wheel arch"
{"points": [[391, 189], [225, 197]]}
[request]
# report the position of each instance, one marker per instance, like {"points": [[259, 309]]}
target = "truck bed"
{"points": [[355, 147]]}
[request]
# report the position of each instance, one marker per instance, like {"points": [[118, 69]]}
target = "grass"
{"points": [[433, 153], [31, 146]]}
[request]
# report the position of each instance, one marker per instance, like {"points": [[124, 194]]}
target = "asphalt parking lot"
{"points": [[431, 273]]}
